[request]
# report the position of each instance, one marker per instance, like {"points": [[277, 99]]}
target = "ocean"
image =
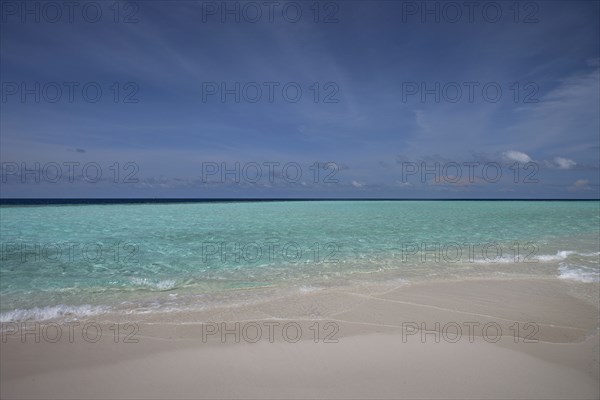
{"points": [[81, 260]]}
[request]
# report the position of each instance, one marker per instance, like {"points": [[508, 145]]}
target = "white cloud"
{"points": [[517, 156], [564, 163], [580, 184], [358, 184], [403, 184]]}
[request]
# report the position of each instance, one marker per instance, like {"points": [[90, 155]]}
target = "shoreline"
{"points": [[377, 335], [241, 297]]}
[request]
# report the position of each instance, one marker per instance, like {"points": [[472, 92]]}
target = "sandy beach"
{"points": [[354, 199], [526, 338]]}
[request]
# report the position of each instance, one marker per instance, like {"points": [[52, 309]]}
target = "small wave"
{"points": [[498, 260], [51, 312], [167, 284], [561, 255], [589, 254], [511, 259], [578, 273]]}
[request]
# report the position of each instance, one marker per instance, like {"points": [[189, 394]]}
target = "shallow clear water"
{"points": [[85, 259]]}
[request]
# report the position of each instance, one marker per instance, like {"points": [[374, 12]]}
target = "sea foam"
{"points": [[578, 273], [51, 312]]}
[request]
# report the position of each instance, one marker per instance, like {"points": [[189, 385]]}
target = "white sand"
{"points": [[370, 360]]}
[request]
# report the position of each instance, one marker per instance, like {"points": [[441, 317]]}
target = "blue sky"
{"points": [[379, 104]]}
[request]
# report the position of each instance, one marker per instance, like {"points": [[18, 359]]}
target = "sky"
{"points": [[342, 99]]}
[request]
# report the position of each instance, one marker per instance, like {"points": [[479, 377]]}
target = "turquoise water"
{"points": [[86, 259]]}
